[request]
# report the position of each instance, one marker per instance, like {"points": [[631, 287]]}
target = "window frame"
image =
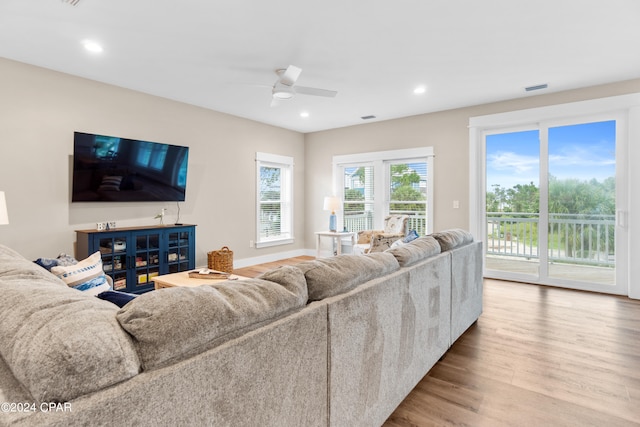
{"points": [[380, 161], [286, 165]]}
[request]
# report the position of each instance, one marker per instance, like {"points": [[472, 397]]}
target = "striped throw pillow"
{"points": [[87, 275]]}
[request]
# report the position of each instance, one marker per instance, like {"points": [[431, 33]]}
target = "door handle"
{"points": [[621, 218]]}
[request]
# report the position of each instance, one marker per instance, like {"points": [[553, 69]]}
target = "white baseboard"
{"points": [[247, 262]]}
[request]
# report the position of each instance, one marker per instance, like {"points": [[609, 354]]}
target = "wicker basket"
{"points": [[221, 260]]}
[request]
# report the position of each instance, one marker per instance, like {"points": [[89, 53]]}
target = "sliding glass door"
{"points": [[550, 209]]}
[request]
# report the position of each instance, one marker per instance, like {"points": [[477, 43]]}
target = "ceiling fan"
{"points": [[285, 87]]}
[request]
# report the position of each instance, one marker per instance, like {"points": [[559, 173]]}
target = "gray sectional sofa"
{"points": [[331, 342]]}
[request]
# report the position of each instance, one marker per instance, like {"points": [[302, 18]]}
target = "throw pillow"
{"points": [[116, 297], [413, 235], [397, 243], [62, 259], [87, 275]]}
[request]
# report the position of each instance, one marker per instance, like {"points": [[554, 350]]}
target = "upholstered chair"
{"points": [[395, 227]]}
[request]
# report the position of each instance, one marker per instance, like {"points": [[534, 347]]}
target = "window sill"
{"points": [[269, 243]]}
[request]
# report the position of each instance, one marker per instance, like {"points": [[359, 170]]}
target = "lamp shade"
{"points": [[4, 216], [331, 203]]}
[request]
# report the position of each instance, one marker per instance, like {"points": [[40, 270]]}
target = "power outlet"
{"points": [[251, 244]]}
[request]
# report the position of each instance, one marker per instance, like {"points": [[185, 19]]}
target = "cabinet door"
{"points": [[180, 256], [145, 259], [113, 248]]}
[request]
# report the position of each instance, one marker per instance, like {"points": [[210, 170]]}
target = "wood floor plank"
{"points": [[538, 356]]}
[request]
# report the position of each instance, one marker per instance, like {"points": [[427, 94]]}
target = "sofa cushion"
{"points": [[332, 276], [172, 324], [415, 251], [290, 277], [451, 239], [12, 265], [58, 342], [87, 275]]}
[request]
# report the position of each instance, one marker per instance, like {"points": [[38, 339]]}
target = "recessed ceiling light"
{"points": [[420, 89], [92, 46], [304, 114]]}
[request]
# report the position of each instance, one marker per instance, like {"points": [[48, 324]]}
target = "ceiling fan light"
{"points": [[282, 94]]}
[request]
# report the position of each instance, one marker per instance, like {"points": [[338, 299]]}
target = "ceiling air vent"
{"points": [[71, 2], [536, 87], [368, 117]]}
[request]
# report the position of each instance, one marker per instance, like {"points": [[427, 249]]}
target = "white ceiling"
{"points": [[223, 55]]}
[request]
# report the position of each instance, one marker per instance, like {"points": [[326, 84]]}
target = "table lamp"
{"points": [[332, 203], [4, 216]]}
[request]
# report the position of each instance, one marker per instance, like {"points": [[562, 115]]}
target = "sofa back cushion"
{"points": [[59, 343], [415, 251], [453, 238], [13, 265], [327, 277], [172, 324]]}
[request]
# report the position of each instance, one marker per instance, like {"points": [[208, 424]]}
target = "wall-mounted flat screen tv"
{"points": [[113, 169]]}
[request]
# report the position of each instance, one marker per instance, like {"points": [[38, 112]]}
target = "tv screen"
{"points": [[113, 169]]}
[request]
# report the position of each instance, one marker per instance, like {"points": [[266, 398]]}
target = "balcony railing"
{"points": [[573, 238], [363, 220]]}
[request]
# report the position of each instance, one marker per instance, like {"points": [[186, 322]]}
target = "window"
{"points": [[106, 147], [182, 171], [374, 185], [274, 200], [358, 198], [407, 192], [151, 155]]}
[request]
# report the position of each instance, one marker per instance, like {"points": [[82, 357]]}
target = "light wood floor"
{"points": [[538, 356]]}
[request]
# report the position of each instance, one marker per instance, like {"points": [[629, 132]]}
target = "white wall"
{"points": [[39, 111]]}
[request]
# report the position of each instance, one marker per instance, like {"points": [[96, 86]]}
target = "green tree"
{"points": [[576, 197], [524, 198], [403, 180], [406, 193], [497, 199], [350, 196], [402, 176]]}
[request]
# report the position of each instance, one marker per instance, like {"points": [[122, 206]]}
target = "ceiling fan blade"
{"points": [[314, 91], [290, 75]]}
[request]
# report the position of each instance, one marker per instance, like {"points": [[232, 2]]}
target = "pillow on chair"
{"points": [[383, 241]]}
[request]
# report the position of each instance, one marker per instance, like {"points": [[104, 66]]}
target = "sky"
{"points": [[582, 151]]}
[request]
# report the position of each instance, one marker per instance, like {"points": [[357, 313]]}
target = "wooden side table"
{"points": [[336, 240]]}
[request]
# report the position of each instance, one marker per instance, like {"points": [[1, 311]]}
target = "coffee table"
{"points": [[182, 279]]}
